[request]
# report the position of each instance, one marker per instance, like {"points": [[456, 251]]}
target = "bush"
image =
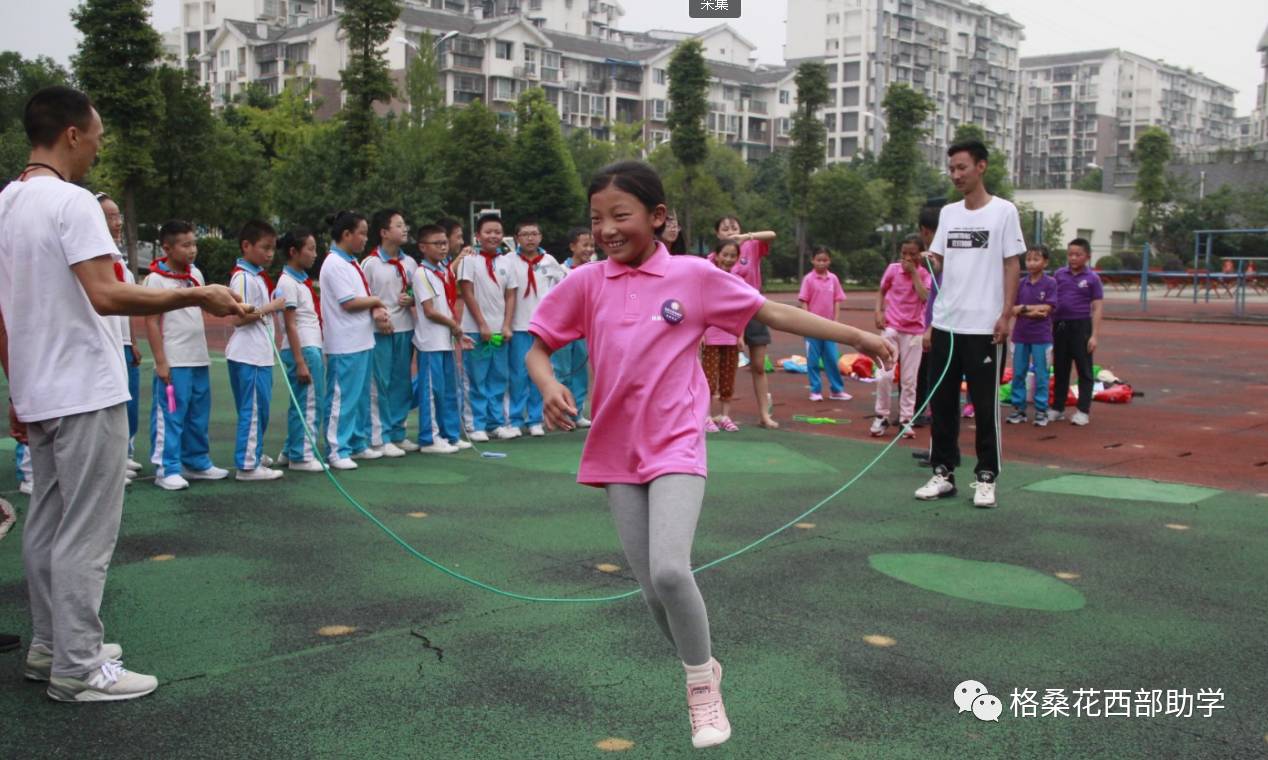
{"points": [[865, 266], [1172, 263], [1110, 263], [1130, 260], [216, 259]]}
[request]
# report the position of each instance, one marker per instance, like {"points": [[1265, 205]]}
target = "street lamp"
{"points": [[435, 45]]}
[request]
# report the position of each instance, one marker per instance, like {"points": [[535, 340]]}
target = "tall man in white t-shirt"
{"points": [[978, 243], [68, 383]]}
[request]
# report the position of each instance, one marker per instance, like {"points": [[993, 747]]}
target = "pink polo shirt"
{"points": [[749, 266], [904, 308], [821, 294], [714, 336], [643, 327]]}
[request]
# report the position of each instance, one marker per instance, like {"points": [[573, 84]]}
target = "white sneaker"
{"points": [[133, 465], [259, 473], [392, 451], [282, 459], [1080, 419], [26, 487], [583, 422], [441, 446], [368, 454], [109, 683], [407, 445], [939, 486], [479, 436], [537, 431], [266, 460], [461, 444], [171, 483], [308, 465], [342, 463], [879, 426], [39, 660], [506, 433], [984, 491], [211, 473], [1054, 415]]}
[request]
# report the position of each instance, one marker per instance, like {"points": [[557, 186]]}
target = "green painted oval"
{"points": [[986, 582]]}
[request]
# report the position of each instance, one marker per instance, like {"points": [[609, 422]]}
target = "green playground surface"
{"points": [[844, 636]]}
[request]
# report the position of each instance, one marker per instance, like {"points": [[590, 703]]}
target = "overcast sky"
{"points": [[1216, 37]]}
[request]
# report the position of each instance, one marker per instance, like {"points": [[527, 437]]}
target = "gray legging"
{"points": [[656, 523]]}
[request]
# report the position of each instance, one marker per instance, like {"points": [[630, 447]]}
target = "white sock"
{"points": [[699, 674]]}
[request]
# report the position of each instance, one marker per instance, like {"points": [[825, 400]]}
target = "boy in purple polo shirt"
{"points": [[1032, 335], [1077, 322]]}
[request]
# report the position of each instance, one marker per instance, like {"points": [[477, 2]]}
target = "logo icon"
{"points": [[974, 697], [672, 312]]}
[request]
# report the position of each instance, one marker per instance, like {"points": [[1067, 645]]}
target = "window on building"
{"points": [[504, 50], [783, 126], [658, 110], [834, 19], [832, 72], [832, 47], [832, 147], [784, 97], [850, 122], [1085, 234], [830, 122], [534, 5], [849, 97], [850, 71], [852, 45], [659, 76], [224, 59], [849, 146]]}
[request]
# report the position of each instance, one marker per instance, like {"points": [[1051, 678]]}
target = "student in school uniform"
{"points": [[436, 333], [131, 356], [351, 314], [537, 272], [488, 285], [180, 415], [250, 349], [390, 273], [301, 351], [572, 362]]}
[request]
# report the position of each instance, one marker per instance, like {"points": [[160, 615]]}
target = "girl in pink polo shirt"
{"points": [[754, 246], [643, 314], [900, 312], [721, 355]]}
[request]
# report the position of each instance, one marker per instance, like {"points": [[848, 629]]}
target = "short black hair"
{"points": [[637, 178], [521, 224], [576, 232], [430, 229], [485, 219], [172, 228], [1082, 243], [724, 243], [342, 222], [912, 240], [51, 111], [1042, 250], [975, 148], [929, 216], [382, 220], [448, 224], [254, 230], [293, 240], [718, 224], [821, 249]]}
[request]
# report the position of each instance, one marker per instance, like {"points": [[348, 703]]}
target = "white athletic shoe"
{"points": [[39, 660], [583, 422], [342, 463], [133, 465], [479, 436], [461, 444], [171, 483], [407, 445], [392, 451], [368, 454], [879, 426], [1080, 419], [537, 431], [260, 473], [211, 473], [109, 683], [281, 459], [26, 487], [308, 465], [1054, 415], [506, 433], [441, 446], [984, 491], [267, 461], [939, 486]]}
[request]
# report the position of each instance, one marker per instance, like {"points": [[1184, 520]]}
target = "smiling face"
{"points": [[966, 174], [353, 241], [727, 256], [624, 226], [435, 247], [490, 235], [528, 238], [671, 231], [396, 232], [582, 249], [728, 228], [455, 239]]}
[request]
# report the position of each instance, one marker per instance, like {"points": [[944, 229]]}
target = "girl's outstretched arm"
{"points": [[780, 316], [558, 406]]}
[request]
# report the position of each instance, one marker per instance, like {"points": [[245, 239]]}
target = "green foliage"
{"points": [[217, 257], [1110, 263], [844, 208], [422, 82], [368, 24], [808, 135], [688, 89], [1151, 154], [1090, 182], [312, 182], [995, 179], [906, 112], [588, 154], [544, 180], [411, 176], [627, 141], [20, 78], [865, 266], [475, 160], [721, 187], [280, 126]]}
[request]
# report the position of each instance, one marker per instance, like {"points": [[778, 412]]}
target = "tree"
{"points": [[688, 89], [1090, 182], [995, 179], [474, 160], [627, 141], [19, 80], [368, 24], [1152, 152], [279, 128], [115, 66], [807, 154], [422, 82], [844, 208], [183, 146], [544, 180], [906, 111], [589, 155]]}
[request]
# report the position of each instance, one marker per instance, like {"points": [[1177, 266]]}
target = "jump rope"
{"points": [[436, 565]]}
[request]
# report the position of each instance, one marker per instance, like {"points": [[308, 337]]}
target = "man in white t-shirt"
{"points": [[978, 243], [69, 385]]}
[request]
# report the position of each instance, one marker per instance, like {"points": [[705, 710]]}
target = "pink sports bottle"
{"points": [[171, 399]]}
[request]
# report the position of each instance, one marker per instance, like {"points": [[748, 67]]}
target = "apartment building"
{"points": [[963, 56], [1079, 109], [1256, 129]]}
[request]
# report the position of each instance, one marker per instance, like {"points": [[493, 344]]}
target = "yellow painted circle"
{"points": [[805, 525], [1067, 576], [607, 567], [163, 557], [613, 744], [336, 630], [878, 640], [1177, 526], [1054, 467], [418, 514]]}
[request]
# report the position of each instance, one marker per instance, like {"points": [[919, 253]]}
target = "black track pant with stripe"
{"points": [[978, 360]]}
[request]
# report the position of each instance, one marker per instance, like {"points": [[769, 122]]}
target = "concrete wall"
{"points": [[1102, 213]]}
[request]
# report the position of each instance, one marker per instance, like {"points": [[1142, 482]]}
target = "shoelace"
{"points": [[982, 483], [111, 672], [706, 713]]}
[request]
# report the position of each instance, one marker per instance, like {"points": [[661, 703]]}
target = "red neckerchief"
{"points": [[268, 281], [532, 263], [163, 269], [118, 271], [395, 261], [488, 262], [448, 280]]}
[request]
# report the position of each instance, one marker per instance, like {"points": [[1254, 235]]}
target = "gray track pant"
{"points": [[656, 523], [71, 529]]}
